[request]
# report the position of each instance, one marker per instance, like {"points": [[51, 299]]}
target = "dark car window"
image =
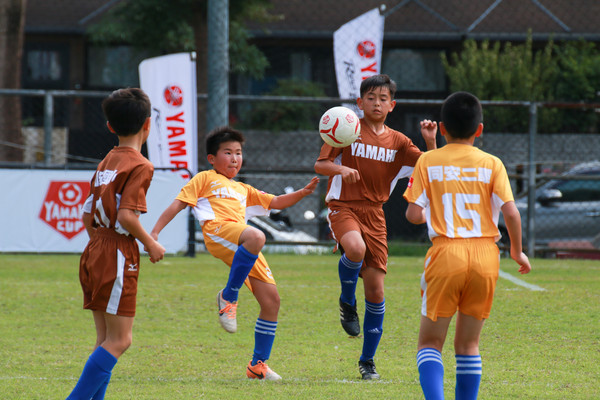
{"points": [[578, 190]]}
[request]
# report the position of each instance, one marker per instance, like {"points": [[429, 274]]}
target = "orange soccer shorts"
{"points": [[221, 240], [108, 272], [368, 219], [460, 274]]}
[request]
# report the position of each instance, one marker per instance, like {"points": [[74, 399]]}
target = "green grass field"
{"points": [[536, 345]]}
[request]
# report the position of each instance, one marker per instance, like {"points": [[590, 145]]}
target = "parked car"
{"points": [[277, 228], [567, 211]]}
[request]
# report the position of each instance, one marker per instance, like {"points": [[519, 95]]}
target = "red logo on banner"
{"points": [[173, 95], [366, 49], [62, 207]]}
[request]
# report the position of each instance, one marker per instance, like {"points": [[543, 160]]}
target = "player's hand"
{"points": [[350, 175], [523, 261], [428, 129], [312, 185], [156, 252]]}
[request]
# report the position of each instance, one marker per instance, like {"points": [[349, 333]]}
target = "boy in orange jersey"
{"points": [[459, 191], [110, 263], [222, 206], [361, 178]]}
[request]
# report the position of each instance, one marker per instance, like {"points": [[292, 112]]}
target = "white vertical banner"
{"points": [[357, 47], [170, 82]]}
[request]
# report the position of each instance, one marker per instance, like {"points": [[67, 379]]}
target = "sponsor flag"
{"points": [[357, 47], [170, 82]]}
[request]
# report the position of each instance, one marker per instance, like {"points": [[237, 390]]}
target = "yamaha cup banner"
{"points": [[170, 82], [43, 212], [357, 49]]}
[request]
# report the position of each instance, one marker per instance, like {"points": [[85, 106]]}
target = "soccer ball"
{"points": [[339, 127]]}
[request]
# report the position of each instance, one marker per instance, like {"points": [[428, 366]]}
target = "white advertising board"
{"points": [[41, 210]]}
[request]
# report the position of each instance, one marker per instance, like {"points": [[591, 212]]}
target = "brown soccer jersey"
{"points": [[380, 159], [121, 181], [109, 265]]}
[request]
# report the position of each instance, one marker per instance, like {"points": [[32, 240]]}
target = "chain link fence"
{"points": [[542, 50], [566, 178]]}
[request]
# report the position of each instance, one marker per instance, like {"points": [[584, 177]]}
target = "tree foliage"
{"points": [[565, 72], [163, 27]]}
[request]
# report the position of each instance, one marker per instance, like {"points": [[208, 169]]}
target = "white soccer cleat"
{"points": [[227, 313]]}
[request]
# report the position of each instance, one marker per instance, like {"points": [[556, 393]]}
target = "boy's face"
{"points": [[377, 103], [228, 159]]}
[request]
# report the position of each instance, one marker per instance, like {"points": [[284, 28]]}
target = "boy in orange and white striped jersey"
{"points": [[222, 206], [459, 191]]}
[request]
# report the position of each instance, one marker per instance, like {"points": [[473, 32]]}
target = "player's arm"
{"points": [[329, 168], [166, 217], [289, 199], [429, 133], [131, 222], [415, 214], [87, 219], [512, 218]]}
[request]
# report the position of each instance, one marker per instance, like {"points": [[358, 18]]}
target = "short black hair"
{"points": [[220, 135], [126, 110], [376, 81], [461, 114]]}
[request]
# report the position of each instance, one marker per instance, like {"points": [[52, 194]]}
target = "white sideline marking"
{"points": [[521, 282]]}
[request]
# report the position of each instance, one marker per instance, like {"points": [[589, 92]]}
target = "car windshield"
{"points": [[572, 190]]}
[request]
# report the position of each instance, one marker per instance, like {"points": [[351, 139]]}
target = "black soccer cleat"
{"points": [[367, 370], [349, 318]]}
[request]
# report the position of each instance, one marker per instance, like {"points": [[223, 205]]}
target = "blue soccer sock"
{"points": [[96, 371], [372, 328], [348, 271], [431, 373], [101, 392], [242, 264], [468, 377], [264, 336]]}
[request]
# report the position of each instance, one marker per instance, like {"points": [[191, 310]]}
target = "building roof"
{"points": [[405, 19], [63, 16], [442, 19]]}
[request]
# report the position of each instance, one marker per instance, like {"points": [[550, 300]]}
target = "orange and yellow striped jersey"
{"points": [[461, 189], [216, 197]]}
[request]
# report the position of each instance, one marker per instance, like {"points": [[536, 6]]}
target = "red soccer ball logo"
{"points": [[173, 95], [366, 49]]}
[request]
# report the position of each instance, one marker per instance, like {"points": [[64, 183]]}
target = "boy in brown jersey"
{"points": [[110, 263], [361, 179]]}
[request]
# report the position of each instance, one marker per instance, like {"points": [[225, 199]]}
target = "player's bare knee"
{"points": [[374, 295], [355, 250], [253, 240], [272, 303]]}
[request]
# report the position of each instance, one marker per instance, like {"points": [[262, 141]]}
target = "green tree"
{"points": [[578, 81], [163, 27], [564, 72], [496, 72]]}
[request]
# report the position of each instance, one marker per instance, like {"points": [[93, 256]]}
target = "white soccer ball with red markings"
{"points": [[339, 127]]}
